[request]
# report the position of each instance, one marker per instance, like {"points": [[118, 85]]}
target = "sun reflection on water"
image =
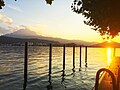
{"points": [[109, 55]]}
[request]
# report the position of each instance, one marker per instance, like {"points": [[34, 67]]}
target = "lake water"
{"points": [[11, 68]]}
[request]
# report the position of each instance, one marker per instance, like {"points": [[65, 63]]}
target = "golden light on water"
{"points": [[109, 54], [109, 40]]}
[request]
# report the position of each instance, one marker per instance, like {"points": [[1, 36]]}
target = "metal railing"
{"points": [[110, 73]]}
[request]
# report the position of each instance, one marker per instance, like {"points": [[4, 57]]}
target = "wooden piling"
{"points": [[86, 56], [25, 64], [80, 56], [73, 56], [64, 57], [50, 59]]}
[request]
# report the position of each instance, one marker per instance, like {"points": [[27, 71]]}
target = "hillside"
{"points": [[28, 34], [18, 41], [107, 44]]}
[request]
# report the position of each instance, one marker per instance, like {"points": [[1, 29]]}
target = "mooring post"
{"points": [[64, 57], [25, 65], [80, 56], [50, 58], [86, 56], [73, 57]]}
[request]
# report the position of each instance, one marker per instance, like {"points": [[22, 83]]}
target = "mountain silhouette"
{"points": [[22, 33], [28, 34], [107, 44]]}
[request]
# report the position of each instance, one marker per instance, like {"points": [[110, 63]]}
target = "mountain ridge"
{"points": [[28, 34]]}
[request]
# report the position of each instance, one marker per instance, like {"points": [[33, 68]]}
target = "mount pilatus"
{"points": [[28, 34], [22, 33]]}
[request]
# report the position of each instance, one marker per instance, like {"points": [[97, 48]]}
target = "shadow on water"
{"points": [[63, 78], [80, 69], [73, 72], [24, 86], [49, 87]]}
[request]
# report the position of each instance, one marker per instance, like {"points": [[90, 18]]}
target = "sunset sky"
{"points": [[57, 20]]}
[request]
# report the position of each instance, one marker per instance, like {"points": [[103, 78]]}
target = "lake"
{"points": [[12, 65]]}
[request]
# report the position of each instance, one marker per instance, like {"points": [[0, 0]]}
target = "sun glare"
{"points": [[109, 40], [109, 54]]}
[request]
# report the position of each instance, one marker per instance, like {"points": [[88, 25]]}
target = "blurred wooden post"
{"points": [[49, 87], [114, 51], [80, 56], [64, 57], [73, 56], [25, 64], [50, 58], [86, 56]]}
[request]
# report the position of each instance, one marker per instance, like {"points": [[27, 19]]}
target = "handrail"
{"points": [[118, 78], [110, 73]]}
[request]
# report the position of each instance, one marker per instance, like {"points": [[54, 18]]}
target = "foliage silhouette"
{"points": [[49, 1], [2, 4], [102, 15]]}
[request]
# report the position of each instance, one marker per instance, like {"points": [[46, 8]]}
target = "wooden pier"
{"points": [[109, 80], [50, 60]]}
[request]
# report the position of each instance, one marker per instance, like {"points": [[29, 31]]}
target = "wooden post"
{"points": [[25, 65], [80, 56], [49, 87], [64, 57], [86, 56], [73, 56], [50, 58]]}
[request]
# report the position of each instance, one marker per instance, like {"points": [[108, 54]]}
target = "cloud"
{"points": [[13, 27], [5, 19], [15, 8], [16, 27], [7, 26], [4, 31], [38, 28]]}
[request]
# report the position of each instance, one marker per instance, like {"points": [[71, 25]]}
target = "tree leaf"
{"points": [[49, 1]]}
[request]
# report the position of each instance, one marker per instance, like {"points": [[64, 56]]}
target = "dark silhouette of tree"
{"points": [[49, 1], [1, 4], [103, 15]]}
